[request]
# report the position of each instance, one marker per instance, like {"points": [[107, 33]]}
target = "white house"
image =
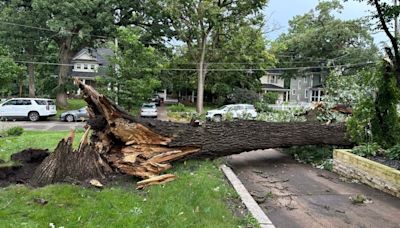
{"points": [[90, 63], [273, 82]]}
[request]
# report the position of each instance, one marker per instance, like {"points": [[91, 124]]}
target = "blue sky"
{"points": [[279, 12]]}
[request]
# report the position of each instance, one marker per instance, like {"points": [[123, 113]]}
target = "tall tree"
{"points": [[76, 24], [386, 14], [10, 72], [134, 72], [200, 24], [17, 20], [318, 38]]}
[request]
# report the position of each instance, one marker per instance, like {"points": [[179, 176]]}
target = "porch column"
{"points": [[319, 95]]}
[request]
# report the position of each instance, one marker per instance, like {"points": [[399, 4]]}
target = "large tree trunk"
{"points": [[146, 148], [201, 77], [31, 75], [64, 58]]}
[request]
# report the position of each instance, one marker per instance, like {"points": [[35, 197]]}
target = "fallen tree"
{"points": [[143, 148]]}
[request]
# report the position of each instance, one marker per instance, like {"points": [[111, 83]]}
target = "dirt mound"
{"points": [[21, 167]]}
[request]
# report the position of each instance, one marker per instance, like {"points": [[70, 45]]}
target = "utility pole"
{"points": [[396, 26], [117, 71]]}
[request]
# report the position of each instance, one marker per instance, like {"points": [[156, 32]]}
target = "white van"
{"points": [[31, 108]]}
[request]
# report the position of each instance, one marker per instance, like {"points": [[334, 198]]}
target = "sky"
{"points": [[279, 12]]}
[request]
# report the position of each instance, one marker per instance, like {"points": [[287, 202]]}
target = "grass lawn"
{"points": [[198, 198]]}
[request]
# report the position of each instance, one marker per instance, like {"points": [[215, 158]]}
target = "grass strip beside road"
{"points": [[198, 198]]}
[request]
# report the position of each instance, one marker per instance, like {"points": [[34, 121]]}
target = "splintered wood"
{"points": [[130, 147]]}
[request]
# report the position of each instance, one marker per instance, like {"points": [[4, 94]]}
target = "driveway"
{"points": [[298, 195], [48, 125]]}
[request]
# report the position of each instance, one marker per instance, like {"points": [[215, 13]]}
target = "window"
{"points": [[272, 79], [306, 94], [293, 92], [78, 66], [12, 102], [305, 79], [92, 67], [40, 102], [85, 66], [317, 95], [23, 102], [299, 84]]}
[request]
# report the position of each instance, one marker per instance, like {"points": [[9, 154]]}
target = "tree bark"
{"points": [[31, 73], [202, 71], [64, 58], [146, 148]]}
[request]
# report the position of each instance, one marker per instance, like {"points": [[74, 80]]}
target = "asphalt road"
{"points": [[298, 195], [56, 125]]}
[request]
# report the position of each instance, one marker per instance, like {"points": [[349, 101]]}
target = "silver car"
{"points": [[74, 115], [148, 110]]}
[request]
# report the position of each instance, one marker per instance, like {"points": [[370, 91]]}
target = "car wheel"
{"points": [[217, 118], [33, 116], [69, 118]]}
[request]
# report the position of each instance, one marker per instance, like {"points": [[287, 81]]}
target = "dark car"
{"points": [[156, 99], [74, 115]]}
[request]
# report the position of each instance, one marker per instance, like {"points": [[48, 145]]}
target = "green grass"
{"points": [[198, 198], [32, 139], [73, 104]]}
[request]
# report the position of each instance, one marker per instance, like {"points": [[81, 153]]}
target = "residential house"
{"points": [[273, 82], [307, 88], [90, 63]]}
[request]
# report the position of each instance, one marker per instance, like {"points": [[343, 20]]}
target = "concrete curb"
{"points": [[247, 199]]}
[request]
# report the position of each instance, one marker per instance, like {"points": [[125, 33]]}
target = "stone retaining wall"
{"points": [[366, 171]]}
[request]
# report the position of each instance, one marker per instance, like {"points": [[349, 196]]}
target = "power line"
{"points": [[222, 69], [50, 30]]}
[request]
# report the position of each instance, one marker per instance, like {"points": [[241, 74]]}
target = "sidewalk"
{"points": [[298, 195]]}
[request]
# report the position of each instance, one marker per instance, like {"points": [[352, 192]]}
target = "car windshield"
{"points": [[223, 107], [148, 106]]}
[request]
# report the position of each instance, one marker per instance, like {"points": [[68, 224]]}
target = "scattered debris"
{"points": [[96, 183], [359, 199], [40, 201]]}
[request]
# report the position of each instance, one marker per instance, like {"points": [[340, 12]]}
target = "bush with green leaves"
{"points": [[318, 156], [368, 149], [270, 97], [262, 107], [375, 117], [281, 116], [243, 96], [394, 152], [15, 131], [177, 108]]}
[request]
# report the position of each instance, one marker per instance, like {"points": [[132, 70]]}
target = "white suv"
{"points": [[237, 111], [31, 108]]}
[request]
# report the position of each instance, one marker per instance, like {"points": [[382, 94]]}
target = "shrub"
{"points": [[367, 149], [318, 156], [177, 108], [270, 97], [15, 131], [394, 152], [243, 96], [263, 107]]}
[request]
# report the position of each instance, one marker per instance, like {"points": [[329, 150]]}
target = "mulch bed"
{"points": [[385, 161]]}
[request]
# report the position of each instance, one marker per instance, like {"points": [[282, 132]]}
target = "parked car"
{"points": [[237, 111], [148, 110], [156, 99], [30, 108], [74, 115]]}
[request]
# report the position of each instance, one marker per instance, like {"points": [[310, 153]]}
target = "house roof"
{"points": [[100, 55], [272, 87]]}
